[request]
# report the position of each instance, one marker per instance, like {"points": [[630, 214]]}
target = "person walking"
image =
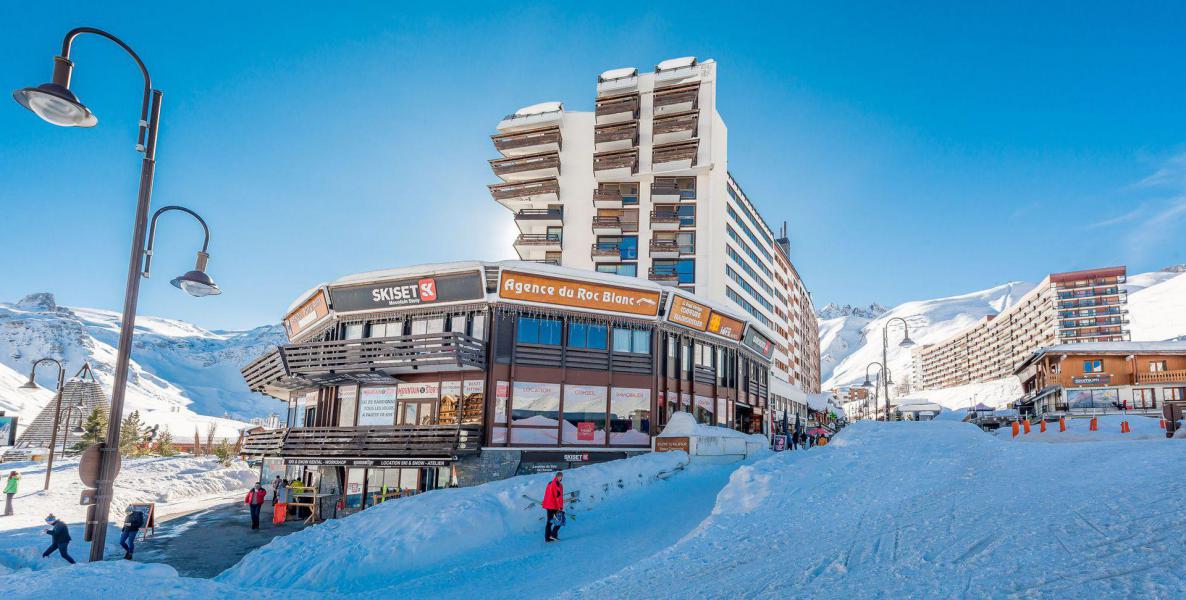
{"points": [[10, 488], [255, 501], [60, 534], [127, 537], [553, 503], [276, 483]]}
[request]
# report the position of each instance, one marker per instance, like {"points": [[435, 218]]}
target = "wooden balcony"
{"points": [[1178, 376], [675, 127], [664, 249], [607, 225], [673, 189], [606, 252], [534, 191], [367, 442], [622, 163], [619, 136], [616, 109], [665, 221], [539, 216], [663, 275], [680, 155], [524, 168], [677, 99], [531, 141], [543, 241]]}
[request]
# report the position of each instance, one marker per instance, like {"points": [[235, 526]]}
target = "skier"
{"points": [[553, 503], [276, 489], [10, 487], [127, 537], [60, 534], [255, 501]]}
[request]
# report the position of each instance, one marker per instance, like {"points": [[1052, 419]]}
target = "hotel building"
{"points": [[456, 374], [640, 187], [1065, 308]]}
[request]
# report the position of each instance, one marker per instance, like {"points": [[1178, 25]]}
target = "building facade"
{"points": [[1065, 308], [460, 373], [640, 187], [1102, 377]]}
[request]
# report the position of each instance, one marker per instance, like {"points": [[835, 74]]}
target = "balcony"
{"points": [[669, 101], [620, 136], [677, 71], [607, 253], [607, 225], [615, 165], [535, 191], [617, 81], [665, 221], [617, 109], [680, 155], [677, 127], [367, 360], [366, 442], [1178, 376], [524, 168], [539, 216], [532, 117], [531, 141], [664, 249], [673, 189], [663, 275], [537, 242]]}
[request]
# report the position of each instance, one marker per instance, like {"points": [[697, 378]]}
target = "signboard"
{"points": [[671, 444], [370, 462], [687, 313], [780, 443], [758, 343], [582, 294], [8, 431], [376, 406], [1100, 379], [548, 461], [412, 291], [148, 509], [725, 326], [473, 386], [88, 465], [418, 391], [307, 314], [585, 431]]}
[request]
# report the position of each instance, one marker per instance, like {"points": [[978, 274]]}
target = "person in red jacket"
{"points": [[553, 503], [255, 501]]}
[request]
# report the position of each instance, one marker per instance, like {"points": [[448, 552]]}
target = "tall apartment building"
{"points": [[641, 187], [1073, 307]]}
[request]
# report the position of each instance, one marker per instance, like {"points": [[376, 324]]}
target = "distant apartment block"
{"points": [[641, 187], [1065, 308]]}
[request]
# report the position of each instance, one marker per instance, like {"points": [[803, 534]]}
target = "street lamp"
{"points": [[905, 343], [196, 282], [883, 374], [53, 436], [57, 104]]}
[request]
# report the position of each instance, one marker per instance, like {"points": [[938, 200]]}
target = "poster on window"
{"points": [[630, 416], [418, 391], [584, 414], [376, 406], [685, 402], [502, 393], [535, 404], [474, 386]]}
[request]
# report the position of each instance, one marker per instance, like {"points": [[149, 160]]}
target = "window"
{"points": [[630, 416], [535, 413], [1144, 398], [1093, 366], [1174, 394], [352, 331], [478, 327], [389, 329], [537, 330], [584, 415], [586, 335], [634, 341], [626, 269], [1156, 366]]}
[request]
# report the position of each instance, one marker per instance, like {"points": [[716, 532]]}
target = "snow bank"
{"points": [[398, 539], [126, 580], [1078, 430], [712, 442], [933, 510]]}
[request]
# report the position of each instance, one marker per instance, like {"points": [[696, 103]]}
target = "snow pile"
{"points": [[933, 510], [398, 539], [996, 393], [111, 580], [174, 484], [1157, 310], [1078, 430], [712, 443]]}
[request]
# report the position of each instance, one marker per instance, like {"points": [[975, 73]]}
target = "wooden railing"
{"points": [[616, 160], [675, 152], [523, 189], [685, 121], [525, 139], [1162, 376], [532, 162], [677, 95], [618, 104], [542, 214], [374, 441], [617, 132]]}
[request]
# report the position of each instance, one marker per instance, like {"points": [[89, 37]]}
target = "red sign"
{"points": [[585, 431], [428, 290]]}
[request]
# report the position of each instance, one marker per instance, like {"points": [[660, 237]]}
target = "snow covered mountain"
{"points": [[833, 311], [850, 340], [181, 375]]}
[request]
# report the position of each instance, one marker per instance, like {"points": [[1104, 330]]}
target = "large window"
{"points": [[1093, 366], [1174, 394], [1144, 398], [1094, 399], [626, 269], [635, 341], [684, 269], [426, 326], [352, 331], [630, 416], [535, 413], [538, 330], [1156, 366], [389, 329], [584, 415], [587, 335]]}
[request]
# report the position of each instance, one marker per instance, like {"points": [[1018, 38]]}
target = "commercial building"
{"points": [[641, 187], [1102, 377], [1065, 308], [460, 373]]}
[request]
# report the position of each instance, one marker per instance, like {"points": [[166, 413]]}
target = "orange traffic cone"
{"points": [[1161, 423], [1062, 423], [1026, 424], [1015, 428], [1042, 426], [1124, 428], [1094, 425]]}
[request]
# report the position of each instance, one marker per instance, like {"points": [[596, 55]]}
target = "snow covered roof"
{"points": [[676, 63], [1113, 348], [410, 271], [542, 107], [618, 73]]}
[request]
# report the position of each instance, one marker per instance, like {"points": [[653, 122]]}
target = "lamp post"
{"points": [[883, 374], [57, 104], [53, 436], [905, 343]]}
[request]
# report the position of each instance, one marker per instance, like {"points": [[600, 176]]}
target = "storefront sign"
{"points": [[408, 292], [687, 313], [548, 461], [1101, 379], [566, 292], [376, 406], [758, 343], [585, 431], [370, 462], [473, 386], [725, 326], [418, 391], [671, 444], [307, 314]]}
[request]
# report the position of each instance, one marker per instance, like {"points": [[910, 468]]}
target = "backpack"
{"points": [[137, 520]]}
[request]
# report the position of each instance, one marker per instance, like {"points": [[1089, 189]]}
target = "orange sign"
{"points": [[725, 326], [565, 292], [306, 314], [687, 313]]}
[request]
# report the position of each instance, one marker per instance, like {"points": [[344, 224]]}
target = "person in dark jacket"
{"points": [[553, 502], [60, 534], [127, 537], [255, 501]]}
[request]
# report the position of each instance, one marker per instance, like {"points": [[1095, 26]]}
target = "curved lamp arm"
{"points": [[36, 363], [203, 255], [63, 68]]}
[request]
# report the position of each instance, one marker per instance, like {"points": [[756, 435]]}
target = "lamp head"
{"points": [[56, 104], [907, 342], [867, 384], [30, 384], [197, 283]]}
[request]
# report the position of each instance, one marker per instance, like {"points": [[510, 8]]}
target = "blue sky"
{"points": [[913, 152]]}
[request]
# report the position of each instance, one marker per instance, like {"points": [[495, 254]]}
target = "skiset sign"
{"points": [[408, 292]]}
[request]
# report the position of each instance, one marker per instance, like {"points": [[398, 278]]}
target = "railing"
{"points": [[377, 441], [525, 139], [675, 152], [543, 214], [611, 250], [1162, 376], [618, 104], [675, 123], [533, 162], [666, 188], [617, 133], [621, 159], [663, 274], [537, 239], [668, 217], [677, 95], [607, 222], [266, 370], [522, 189], [665, 246]]}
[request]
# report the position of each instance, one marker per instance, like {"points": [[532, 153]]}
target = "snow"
{"points": [[1158, 311], [1078, 430], [676, 63], [683, 424], [21, 403], [932, 509], [175, 484], [995, 393], [542, 107], [618, 73]]}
